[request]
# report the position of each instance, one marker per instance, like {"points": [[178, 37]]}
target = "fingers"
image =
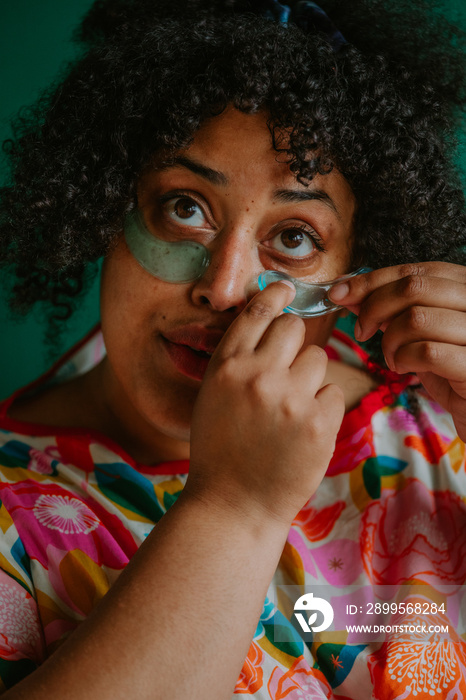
{"points": [[379, 296], [420, 324], [331, 395], [310, 367], [450, 396], [355, 289], [392, 299], [443, 359], [282, 341], [247, 329]]}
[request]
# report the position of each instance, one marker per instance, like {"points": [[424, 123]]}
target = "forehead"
{"points": [[235, 150], [239, 142]]}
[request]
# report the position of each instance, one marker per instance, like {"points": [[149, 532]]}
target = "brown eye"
{"points": [[292, 238], [294, 242], [185, 208], [186, 211]]}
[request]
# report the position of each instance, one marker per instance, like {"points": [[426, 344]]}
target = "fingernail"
{"points": [[288, 284], [338, 292], [389, 363]]}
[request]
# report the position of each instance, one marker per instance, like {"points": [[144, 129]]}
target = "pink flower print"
{"points": [[351, 450], [47, 514], [65, 514], [339, 561], [20, 632], [415, 533], [41, 461], [400, 420]]}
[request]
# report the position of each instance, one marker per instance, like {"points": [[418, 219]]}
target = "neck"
{"points": [[119, 420]]}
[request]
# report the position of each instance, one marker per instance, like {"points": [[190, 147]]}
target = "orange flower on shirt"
{"points": [[300, 681], [425, 662], [251, 676], [317, 524]]}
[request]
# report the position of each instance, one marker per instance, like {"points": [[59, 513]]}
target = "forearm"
{"points": [[190, 597]]}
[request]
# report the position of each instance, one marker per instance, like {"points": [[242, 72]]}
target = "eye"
{"points": [[295, 242], [186, 211]]}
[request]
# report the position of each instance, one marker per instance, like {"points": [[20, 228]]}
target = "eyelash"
{"points": [[311, 233], [178, 194]]}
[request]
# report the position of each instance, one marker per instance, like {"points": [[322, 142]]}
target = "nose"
{"points": [[230, 281]]}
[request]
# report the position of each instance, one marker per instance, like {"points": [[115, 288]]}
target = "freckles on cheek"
{"points": [[124, 290], [131, 299]]}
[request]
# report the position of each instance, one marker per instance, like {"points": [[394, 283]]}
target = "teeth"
{"points": [[203, 352]]}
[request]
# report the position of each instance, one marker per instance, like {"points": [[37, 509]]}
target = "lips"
{"points": [[190, 349]]}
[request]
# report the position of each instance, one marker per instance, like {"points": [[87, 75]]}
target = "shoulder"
{"points": [[56, 397], [55, 406]]}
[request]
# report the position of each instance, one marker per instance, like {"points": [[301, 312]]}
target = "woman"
{"points": [[271, 142]]}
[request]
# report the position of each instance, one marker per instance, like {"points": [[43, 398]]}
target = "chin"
{"points": [[172, 419]]}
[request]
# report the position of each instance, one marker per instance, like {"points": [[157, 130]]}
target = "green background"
{"points": [[34, 47]]}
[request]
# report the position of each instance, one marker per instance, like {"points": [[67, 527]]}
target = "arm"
{"points": [[179, 621]]}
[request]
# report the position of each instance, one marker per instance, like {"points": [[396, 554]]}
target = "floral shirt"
{"points": [[390, 510]]}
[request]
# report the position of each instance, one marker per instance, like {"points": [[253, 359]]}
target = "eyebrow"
{"points": [[215, 177], [296, 196]]}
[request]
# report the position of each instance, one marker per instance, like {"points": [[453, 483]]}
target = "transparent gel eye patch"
{"points": [[170, 261], [186, 261], [311, 299]]}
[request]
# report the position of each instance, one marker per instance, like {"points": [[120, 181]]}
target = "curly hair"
{"points": [[383, 110]]}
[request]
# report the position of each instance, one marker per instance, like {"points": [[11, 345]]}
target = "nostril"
{"points": [[205, 301]]}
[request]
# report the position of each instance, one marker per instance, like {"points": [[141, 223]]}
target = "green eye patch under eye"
{"points": [[170, 261]]}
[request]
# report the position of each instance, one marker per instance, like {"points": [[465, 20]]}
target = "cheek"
{"points": [[129, 295], [318, 330], [341, 256]]}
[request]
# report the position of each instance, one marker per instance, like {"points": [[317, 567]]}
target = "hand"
{"points": [[421, 309], [263, 431]]}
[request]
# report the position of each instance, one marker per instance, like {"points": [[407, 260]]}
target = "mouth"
{"points": [[201, 353], [187, 360], [190, 350]]}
